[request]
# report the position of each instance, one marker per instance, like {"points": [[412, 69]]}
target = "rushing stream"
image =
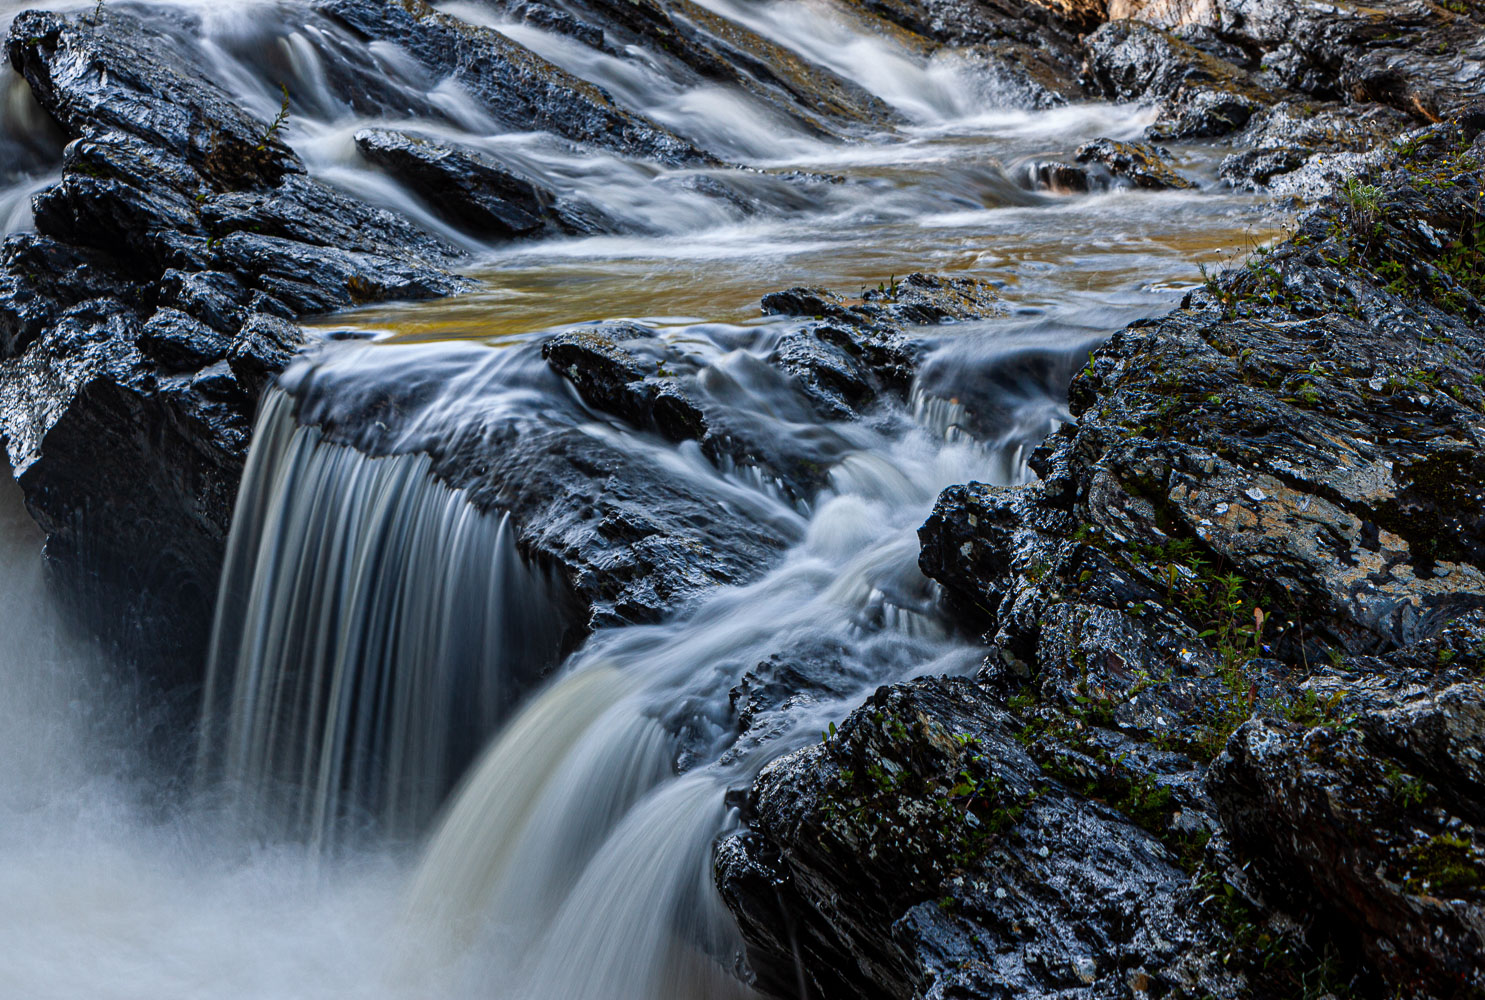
{"points": [[379, 640]]}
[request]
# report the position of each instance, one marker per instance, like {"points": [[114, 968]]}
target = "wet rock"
{"points": [[1057, 176], [1018, 75], [696, 46], [515, 86], [1035, 43], [621, 369], [462, 187], [1420, 60], [1138, 163], [920, 851], [1199, 94], [1291, 135], [632, 532], [141, 320], [1423, 61], [555, 20], [1380, 809], [309, 213], [180, 343], [1278, 478]]}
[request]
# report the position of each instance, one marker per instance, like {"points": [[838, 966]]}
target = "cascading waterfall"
{"points": [[372, 629], [575, 860], [380, 643]]}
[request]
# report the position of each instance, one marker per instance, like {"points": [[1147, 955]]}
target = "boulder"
{"points": [[1135, 163], [920, 851]]}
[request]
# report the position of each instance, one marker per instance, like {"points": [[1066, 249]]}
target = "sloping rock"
{"points": [[514, 85], [634, 537], [462, 187], [1266, 510], [140, 321], [1379, 816], [921, 852], [696, 45]]}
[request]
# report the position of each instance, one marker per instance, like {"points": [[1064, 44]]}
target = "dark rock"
{"points": [[555, 20], [180, 343], [37, 275], [1420, 60], [1279, 477], [923, 299], [694, 46], [1199, 94], [634, 539], [1290, 134], [1139, 163], [920, 851], [214, 297], [1057, 176], [514, 85], [1254, 168], [817, 302], [1035, 44], [309, 213], [1381, 817], [140, 323], [462, 187], [98, 82], [621, 369]]}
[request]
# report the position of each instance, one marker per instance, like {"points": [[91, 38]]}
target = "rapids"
{"points": [[383, 798]]}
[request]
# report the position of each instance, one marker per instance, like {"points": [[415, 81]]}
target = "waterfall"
{"points": [[372, 629]]}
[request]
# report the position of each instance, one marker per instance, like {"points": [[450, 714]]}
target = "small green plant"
{"points": [[279, 121], [1407, 791], [1365, 198]]}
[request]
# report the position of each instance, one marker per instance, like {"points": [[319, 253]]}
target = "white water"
{"points": [[372, 629], [574, 859]]}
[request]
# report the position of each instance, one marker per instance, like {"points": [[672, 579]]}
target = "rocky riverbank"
{"points": [[1226, 740]]}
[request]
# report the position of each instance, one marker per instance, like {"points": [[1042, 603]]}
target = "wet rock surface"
{"points": [[142, 318], [632, 533], [1239, 611], [1033, 49], [1108, 163], [516, 87], [986, 878]]}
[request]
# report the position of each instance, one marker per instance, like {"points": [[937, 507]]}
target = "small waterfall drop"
{"points": [[372, 629]]}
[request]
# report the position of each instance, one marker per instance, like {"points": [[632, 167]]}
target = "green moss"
{"points": [[1444, 865]]}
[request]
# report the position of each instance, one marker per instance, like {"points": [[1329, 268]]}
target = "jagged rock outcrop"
{"points": [[920, 851], [1372, 809], [1029, 53], [140, 321], [1199, 94], [1241, 609]]}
